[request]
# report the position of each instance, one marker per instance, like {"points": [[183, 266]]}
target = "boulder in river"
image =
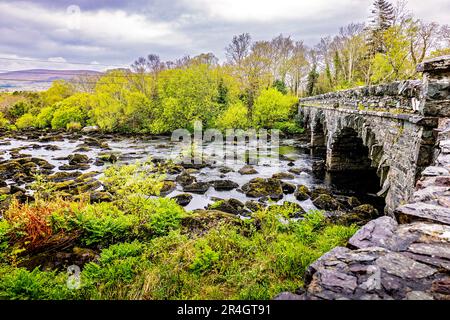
{"points": [[224, 185], [185, 179], [302, 193], [77, 158], [90, 129], [247, 169], [259, 187], [283, 176], [183, 199], [197, 187], [288, 188]]}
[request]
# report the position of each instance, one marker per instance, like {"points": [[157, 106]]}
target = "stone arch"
{"points": [[319, 131], [354, 146]]}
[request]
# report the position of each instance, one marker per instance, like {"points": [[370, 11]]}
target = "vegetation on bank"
{"points": [[144, 247]]}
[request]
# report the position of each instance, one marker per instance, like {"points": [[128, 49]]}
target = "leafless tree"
{"points": [[238, 49]]}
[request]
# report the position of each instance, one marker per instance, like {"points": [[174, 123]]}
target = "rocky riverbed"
{"points": [[74, 163]]}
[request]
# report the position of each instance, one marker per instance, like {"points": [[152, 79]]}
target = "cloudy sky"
{"points": [[113, 33]]}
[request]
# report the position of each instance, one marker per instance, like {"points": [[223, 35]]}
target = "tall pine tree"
{"points": [[382, 19]]}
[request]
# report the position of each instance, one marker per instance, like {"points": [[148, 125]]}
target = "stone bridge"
{"points": [[399, 129], [391, 128]]}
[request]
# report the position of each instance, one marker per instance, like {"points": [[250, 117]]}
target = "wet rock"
{"points": [[63, 176], [245, 170], [197, 187], [51, 138], [183, 199], [224, 185], [225, 170], [185, 179], [108, 157], [52, 148], [288, 188], [283, 176], [259, 187], [302, 193], [75, 159], [92, 142], [326, 202], [69, 167], [168, 187], [191, 171], [359, 215], [317, 191], [83, 149], [90, 129], [296, 171], [254, 206], [232, 206]]}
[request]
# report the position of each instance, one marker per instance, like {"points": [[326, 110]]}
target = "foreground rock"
{"points": [[232, 206], [390, 261]]}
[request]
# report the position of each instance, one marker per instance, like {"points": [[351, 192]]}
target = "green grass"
{"points": [[155, 250]]}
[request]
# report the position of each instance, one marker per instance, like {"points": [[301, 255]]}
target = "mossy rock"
{"points": [[319, 191], [288, 188], [63, 176], [283, 176], [183, 199], [254, 206], [327, 202], [224, 185], [185, 179], [77, 158], [232, 206], [197, 187], [247, 170], [359, 215], [302, 193], [259, 187], [168, 187]]}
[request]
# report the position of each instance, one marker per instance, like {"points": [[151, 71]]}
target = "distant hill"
{"points": [[38, 79]]}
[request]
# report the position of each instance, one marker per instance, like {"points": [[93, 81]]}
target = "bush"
{"points": [[19, 283], [44, 118], [289, 127], [26, 121], [104, 223], [65, 115], [235, 117], [73, 126], [272, 106], [4, 123]]}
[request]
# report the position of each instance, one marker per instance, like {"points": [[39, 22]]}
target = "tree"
{"points": [[313, 76], [382, 19], [272, 106], [238, 49]]}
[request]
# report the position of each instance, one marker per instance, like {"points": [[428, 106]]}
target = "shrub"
{"points": [[104, 223], [26, 121], [73, 126], [161, 215], [290, 127], [235, 117], [272, 106], [19, 283], [44, 118], [4, 123], [65, 115]]}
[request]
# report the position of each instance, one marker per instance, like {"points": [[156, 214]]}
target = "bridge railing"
{"points": [[429, 96]]}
